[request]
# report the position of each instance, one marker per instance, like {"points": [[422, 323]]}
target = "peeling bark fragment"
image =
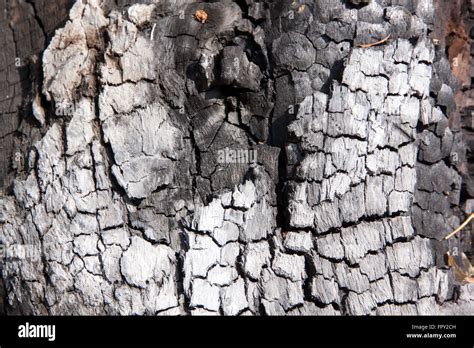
{"points": [[298, 241], [233, 298], [360, 304], [322, 266], [256, 255], [404, 288], [330, 246], [91, 287], [381, 290], [410, 257], [375, 200], [359, 240], [204, 295], [110, 217], [140, 14], [129, 301], [201, 257], [351, 278], [427, 305], [289, 266], [160, 297], [155, 227], [221, 275], [111, 263], [281, 290], [50, 163], [86, 245], [326, 216], [301, 215], [325, 291], [398, 228], [208, 218], [259, 222], [142, 162], [427, 283], [229, 232], [373, 266], [27, 194], [68, 58]]}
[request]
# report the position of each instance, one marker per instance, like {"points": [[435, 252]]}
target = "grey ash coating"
{"points": [[123, 195]]}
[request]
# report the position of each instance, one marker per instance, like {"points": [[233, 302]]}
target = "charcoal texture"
{"points": [[267, 161]]}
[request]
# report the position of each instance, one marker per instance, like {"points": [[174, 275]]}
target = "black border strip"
{"points": [[242, 330]]}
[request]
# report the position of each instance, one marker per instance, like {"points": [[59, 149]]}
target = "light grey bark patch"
{"points": [[325, 291], [381, 290], [289, 266], [143, 262], [233, 298], [256, 255], [330, 246], [145, 144], [404, 288], [299, 242], [351, 278], [408, 258], [359, 240], [281, 290], [360, 304]]}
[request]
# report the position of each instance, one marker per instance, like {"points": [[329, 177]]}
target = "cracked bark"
{"points": [[258, 163]]}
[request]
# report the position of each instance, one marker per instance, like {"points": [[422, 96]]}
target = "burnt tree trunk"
{"points": [[233, 157]]}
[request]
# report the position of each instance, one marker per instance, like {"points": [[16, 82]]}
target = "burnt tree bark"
{"points": [[267, 159]]}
